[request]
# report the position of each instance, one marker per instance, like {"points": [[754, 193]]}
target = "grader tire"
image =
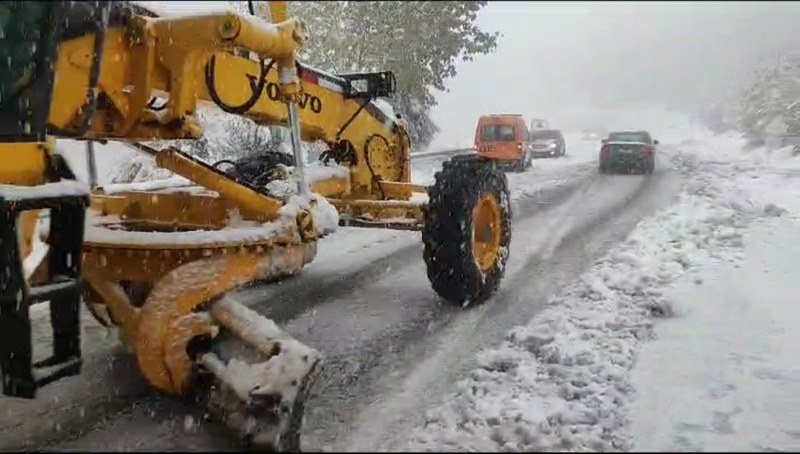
{"points": [[467, 230]]}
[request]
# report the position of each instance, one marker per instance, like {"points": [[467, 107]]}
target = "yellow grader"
{"points": [[159, 265]]}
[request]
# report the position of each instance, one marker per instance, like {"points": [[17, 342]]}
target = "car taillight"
{"points": [[648, 150], [606, 148]]}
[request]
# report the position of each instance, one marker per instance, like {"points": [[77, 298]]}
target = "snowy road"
{"points": [[681, 338], [392, 348]]}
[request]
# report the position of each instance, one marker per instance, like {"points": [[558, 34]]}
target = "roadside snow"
{"points": [[563, 381], [723, 375], [731, 382]]}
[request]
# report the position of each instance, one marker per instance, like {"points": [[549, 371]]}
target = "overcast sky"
{"points": [[561, 59]]}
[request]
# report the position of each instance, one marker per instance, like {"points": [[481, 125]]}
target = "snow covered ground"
{"points": [[681, 338], [732, 382]]}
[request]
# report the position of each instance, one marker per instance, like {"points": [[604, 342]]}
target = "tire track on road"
{"points": [[451, 351]]}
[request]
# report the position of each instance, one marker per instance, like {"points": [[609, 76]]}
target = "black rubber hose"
{"points": [[94, 74], [369, 164], [223, 161], [240, 109], [350, 120], [262, 81], [152, 105]]}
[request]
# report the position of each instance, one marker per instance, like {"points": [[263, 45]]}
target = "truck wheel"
{"points": [[467, 230]]}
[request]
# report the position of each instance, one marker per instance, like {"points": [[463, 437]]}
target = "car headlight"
{"points": [[552, 145]]}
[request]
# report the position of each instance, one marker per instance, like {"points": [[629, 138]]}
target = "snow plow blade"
{"points": [[191, 339], [263, 400]]}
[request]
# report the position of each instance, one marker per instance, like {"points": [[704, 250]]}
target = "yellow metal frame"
{"points": [[167, 57]]}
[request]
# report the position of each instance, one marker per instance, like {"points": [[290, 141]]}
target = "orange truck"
{"points": [[505, 138]]}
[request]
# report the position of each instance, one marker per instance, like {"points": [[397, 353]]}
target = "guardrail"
{"points": [[441, 153]]}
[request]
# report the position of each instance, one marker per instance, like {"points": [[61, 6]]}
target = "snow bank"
{"points": [[731, 377], [562, 382], [731, 383]]}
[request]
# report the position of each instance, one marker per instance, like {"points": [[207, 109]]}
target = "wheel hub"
{"points": [[486, 231]]}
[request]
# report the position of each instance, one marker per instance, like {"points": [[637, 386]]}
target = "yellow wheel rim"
{"points": [[486, 231]]}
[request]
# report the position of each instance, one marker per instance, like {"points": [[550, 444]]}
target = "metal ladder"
{"points": [[21, 376]]}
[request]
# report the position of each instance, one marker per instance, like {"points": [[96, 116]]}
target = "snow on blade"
{"points": [[58, 189], [325, 215], [233, 234], [153, 185], [280, 373], [562, 382]]}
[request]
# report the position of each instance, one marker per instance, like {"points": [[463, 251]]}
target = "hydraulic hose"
{"points": [[242, 108], [257, 91]]}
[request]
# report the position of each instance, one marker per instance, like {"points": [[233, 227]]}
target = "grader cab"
{"points": [[159, 265]]}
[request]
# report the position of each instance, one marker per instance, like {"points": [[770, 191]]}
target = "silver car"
{"points": [[547, 143]]}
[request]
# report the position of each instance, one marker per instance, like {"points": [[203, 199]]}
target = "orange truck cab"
{"points": [[504, 137]]}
